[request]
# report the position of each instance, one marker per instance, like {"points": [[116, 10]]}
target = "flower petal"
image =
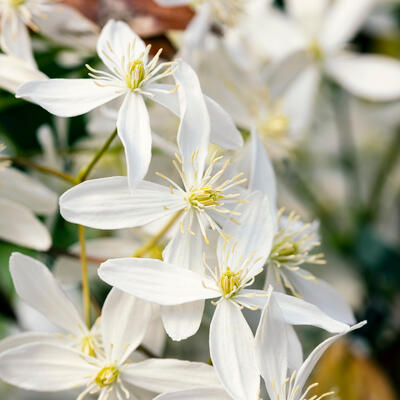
{"points": [[15, 38], [45, 367], [118, 37], [183, 320], [323, 295], [271, 348], [312, 359], [25, 190], [134, 131], [19, 225], [232, 352], [36, 285], [362, 75], [342, 22], [108, 203], [196, 394], [155, 281], [67, 97], [165, 95], [167, 375], [223, 130], [15, 72], [194, 129], [124, 322]]}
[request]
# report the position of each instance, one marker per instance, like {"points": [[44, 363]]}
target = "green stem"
{"points": [[84, 173]]}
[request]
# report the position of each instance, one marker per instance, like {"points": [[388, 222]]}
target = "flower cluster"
{"points": [[200, 193]]}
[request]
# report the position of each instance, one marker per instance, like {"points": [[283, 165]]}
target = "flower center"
{"points": [[205, 197], [136, 74], [316, 50], [16, 3], [87, 346], [107, 376], [230, 282], [228, 11], [275, 126]]}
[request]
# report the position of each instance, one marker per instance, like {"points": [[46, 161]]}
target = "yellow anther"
{"points": [[136, 74], [276, 126], [205, 197], [107, 376], [315, 50], [87, 346], [16, 3], [230, 281]]}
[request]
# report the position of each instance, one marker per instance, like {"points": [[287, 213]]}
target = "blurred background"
{"points": [[345, 172]]}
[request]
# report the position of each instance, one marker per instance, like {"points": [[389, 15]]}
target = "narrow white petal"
{"points": [[167, 375], [183, 320], [155, 281], [295, 349], [305, 370], [67, 97], [108, 203], [15, 72], [36, 285], [272, 347], [323, 295], [124, 322], [119, 37], [372, 77], [342, 22], [135, 133], [15, 38], [223, 130], [19, 225], [45, 367], [252, 237], [194, 128], [28, 191], [299, 312], [232, 352], [167, 100], [196, 394], [309, 13]]}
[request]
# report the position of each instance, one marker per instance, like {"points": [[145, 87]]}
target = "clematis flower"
{"points": [[45, 16], [20, 197], [239, 261], [272, 361], [101, 365], [294, 243], [206, 198]]}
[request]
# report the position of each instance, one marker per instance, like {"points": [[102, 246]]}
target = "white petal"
{"points": [[124, 322], [223, 130], [262, 174], [36, 285], [299, 312], [167, 375], [24, 189], [169, 3], [155, 281], [45, 367], [251, 239], [271, 348], [15, 38], [196, 394], [15, 72], [155, 338], [119, 37], [323, 295], [194, 128], [19, 225], [312, 359], [372, 77], [309, 13], [343, 21], [232, 352], [108, 203], [134, 131], [161, 96], [67, 97], [183, 320], [30, 337], [295, 349]]}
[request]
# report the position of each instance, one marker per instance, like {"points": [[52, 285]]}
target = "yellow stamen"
{"points": [[230, 281], [107, 376]]}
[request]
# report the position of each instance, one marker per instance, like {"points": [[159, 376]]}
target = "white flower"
{"points": [[20, 197], [206, 198], [46, 16], [100, 364], [272, 359], [293, 244]]}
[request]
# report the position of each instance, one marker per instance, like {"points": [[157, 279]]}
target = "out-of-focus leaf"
{"points": [[350, 375]]}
